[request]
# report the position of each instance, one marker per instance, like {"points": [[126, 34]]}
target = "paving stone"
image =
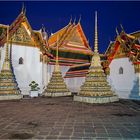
{"points": [[61, 118]]}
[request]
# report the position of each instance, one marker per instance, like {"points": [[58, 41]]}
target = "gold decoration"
{"points": [[8, 83], [96, 84], [137, 68], [21, 37], [107, 71], [45, 58], [57, 86], [41, 57]]}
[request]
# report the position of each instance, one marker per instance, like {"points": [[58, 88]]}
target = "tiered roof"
{"points": [[81, 70], [125, 45], [20, 27], [73, 45]]}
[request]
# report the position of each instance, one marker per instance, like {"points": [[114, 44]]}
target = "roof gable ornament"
{"points": [[44, 33], [23, 9], [70, 19], [79, 19], [117, 32], [122, 27], [74, 22]]}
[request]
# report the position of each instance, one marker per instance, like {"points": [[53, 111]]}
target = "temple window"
{"points": [[20, 60], [120, 70]]}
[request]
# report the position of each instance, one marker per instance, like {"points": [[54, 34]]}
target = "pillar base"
{"points": [[11, 97], [57, 94], [93, 99]]}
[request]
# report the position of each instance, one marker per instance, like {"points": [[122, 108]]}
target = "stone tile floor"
{"points": [[62, 118]]}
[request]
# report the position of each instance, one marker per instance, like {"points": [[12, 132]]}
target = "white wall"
{"points": [[50, 69], [74, 84], [30, 70], [135, 92], [123, 83], [63, 69]]}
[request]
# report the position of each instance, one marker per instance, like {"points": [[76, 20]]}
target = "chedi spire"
{"points": [[96, 89]]}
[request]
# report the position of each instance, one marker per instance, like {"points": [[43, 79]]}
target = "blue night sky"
{"points": [[55, 15]]}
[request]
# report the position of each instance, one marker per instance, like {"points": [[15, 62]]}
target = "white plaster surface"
{"points": [[30, 70], [122, 83], [74, 84]]}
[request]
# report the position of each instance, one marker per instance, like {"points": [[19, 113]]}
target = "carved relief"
{"points": [[76, 39], [21, 37], [121, 52]]}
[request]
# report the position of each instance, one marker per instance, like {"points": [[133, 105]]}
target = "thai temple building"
{"points": [[123, 64], [27, 45], [33, 56]]}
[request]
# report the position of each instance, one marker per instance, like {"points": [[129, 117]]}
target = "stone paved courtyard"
{"points": [[62, 118]]}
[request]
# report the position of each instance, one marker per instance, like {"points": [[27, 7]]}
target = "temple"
{"points": [[33, 57], [122, 64], [27, 47]]}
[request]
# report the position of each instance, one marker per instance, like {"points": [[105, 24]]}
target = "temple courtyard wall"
{"points": [[123, 79]]}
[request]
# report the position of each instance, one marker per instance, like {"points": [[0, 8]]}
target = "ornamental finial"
{"points": [[23, 8], [74, 20], [70, 19], [117, 32], [96, 35], [57, 68], [79, 19], [57, 51], [7, 42], [122, 27]]}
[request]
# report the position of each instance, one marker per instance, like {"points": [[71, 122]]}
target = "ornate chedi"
{"points": [[8, 85], [56, 87], [96, 88]]}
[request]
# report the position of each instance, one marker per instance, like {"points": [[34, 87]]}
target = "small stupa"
{"points": [[57, 87], [8, 86], [96, 89]]}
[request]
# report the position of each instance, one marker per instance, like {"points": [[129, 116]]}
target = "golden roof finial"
{"points": [[7, 41], [117, 31], [70, 19], [57, 68], [122, 27], [23, 8], [79, 19], [96, 35], [74, 20], [57, 51]]}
